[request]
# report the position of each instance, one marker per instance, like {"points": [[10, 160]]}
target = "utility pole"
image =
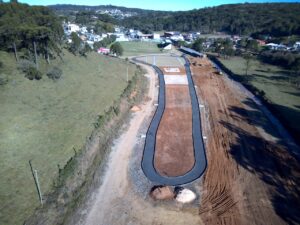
{"points": [[38, 186], [36, 181]]}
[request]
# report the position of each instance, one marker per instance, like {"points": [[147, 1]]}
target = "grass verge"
{"points": [[76, 177], [47, 121], [135, 48]]}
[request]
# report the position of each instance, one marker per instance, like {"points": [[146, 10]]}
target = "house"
{"points": [[83, 30], [261, 42], [297, 45], [177, 38], [170, 34], [104, 51], [156, 36], [168, 47], [192, 52], [274, 46], [121, 37], [72, 27], [83, 37]]}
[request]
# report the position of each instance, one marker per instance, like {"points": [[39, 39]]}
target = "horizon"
{"points": [[166, 5]]}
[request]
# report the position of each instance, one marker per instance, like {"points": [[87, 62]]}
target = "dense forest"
{"points": [[276, 19], [63, 8], [33, 30]]}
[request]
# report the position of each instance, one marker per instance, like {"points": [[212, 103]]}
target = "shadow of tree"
{"points": [[293, 93], [271, 161]]}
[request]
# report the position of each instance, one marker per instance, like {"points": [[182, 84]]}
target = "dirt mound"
{"points": [[162, 193], [135, 109], [185, 195]]}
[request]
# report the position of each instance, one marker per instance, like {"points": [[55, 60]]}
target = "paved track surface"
{"points": [[149, 149]]}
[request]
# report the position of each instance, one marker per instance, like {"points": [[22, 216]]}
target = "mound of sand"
{"points": [[185, 196], [162, 193], [135, 109]]}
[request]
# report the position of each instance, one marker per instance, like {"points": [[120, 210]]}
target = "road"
{"points": [[114, 203], [150, 143]]}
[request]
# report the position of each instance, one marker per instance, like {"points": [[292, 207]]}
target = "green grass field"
{"points": [[275, 82], [139, 48], [44, 120]]}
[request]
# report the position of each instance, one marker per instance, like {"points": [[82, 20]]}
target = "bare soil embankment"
{"points": [[251, 176]]}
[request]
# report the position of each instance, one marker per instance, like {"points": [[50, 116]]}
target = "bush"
{"points": [[33, 74], [3, 79], [24, 65], [116, 49], [55, 73], [30, 70]]}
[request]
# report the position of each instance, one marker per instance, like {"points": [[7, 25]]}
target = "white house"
{"points": [[72, 27], [297, 45], [156, 36], [83, 30], [121, 37], [168, 47]]}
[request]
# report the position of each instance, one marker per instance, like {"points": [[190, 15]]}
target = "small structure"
{"points": [[71, 27], [192, 52], [168, 47], [156, 36], [104, 51]]}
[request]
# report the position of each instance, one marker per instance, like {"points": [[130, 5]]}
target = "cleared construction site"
{"points": [[247, 174], [174, 152]]}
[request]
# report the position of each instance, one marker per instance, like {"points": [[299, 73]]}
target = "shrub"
{"points": [[116, 49], [3, 79], [55, 73], [32, 73], [24, 65]]}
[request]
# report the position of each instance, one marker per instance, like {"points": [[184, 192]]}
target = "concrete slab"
{"points": [[176, 79]]}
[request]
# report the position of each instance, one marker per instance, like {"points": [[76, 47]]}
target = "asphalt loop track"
{"points": [[150, 142]]}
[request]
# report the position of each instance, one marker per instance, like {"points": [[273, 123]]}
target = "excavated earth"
{"points": [[251, 177], [174, 151]]}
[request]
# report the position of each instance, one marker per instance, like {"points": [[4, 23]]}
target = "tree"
{"points": [[76, 43], [198, 45], [252, 45], [248, 60], [35, 28], [117, 49]]}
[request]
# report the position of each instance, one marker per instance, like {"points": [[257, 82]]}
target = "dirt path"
{"points": [[251, 176], [114, 203]]}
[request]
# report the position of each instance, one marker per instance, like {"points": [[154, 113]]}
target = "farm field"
{"points": [[274, 81], [132, 48], [45, 120]]}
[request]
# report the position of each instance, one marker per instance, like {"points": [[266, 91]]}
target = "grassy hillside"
{"points": [[275, 82], [44, 120], [139, 48]]}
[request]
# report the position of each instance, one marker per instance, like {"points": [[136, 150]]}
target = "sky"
{"points": [[169, 5]]}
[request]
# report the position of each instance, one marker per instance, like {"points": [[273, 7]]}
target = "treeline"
{"points": [[63, 8], [287, 60], [276, 19], [29, 30]]}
